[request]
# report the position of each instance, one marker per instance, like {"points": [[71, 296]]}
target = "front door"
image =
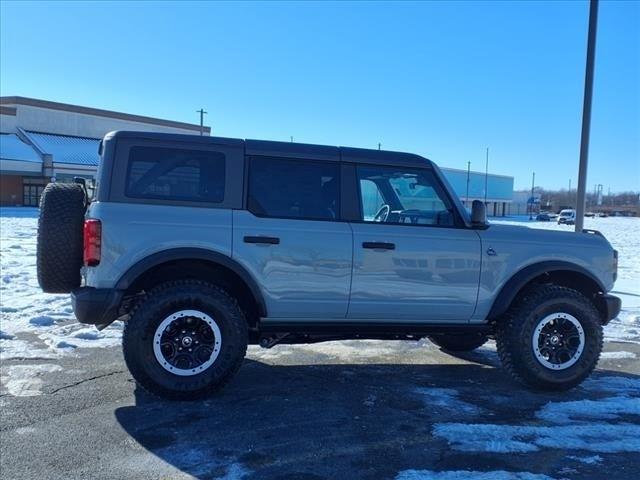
{"points": [[412, 261], [290, 239]]}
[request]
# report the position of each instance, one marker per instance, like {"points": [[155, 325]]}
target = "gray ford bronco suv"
{"points": [[203, 245]]}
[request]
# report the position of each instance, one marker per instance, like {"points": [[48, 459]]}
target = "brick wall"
{"points": [[10, 190]]}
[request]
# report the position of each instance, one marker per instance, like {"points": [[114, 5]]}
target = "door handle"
{"points": [[379, 245], [262, 240]]}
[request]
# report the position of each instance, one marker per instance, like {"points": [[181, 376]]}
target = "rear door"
{"points": [[412, 260], [290, 237]]}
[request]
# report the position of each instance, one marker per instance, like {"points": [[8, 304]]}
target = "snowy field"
{"points": [[34, 324], [454, 426]]}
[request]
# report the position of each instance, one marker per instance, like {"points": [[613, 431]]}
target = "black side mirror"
{"points": [[478, 214]]}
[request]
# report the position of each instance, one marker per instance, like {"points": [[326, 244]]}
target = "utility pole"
{"points": [[468, 174], [586, 114], [599, 195], [202, 114], [533, 181], [379, 145], [486, 176], [291, 137]]}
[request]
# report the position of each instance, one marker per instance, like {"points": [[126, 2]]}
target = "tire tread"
{"points": [[134, 326], [512, 322]]}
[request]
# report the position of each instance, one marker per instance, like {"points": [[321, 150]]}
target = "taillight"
{"points": [[92, 242]]}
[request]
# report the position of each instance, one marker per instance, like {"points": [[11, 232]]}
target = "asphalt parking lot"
{"points": [[370, 410]]}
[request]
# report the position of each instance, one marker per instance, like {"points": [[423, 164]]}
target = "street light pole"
{"points": [[486, 176], [468, 173], [533, 181], [586, 114]]}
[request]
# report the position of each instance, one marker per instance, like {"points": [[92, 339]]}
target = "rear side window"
{"points": [[176, 174], [290, 188]]}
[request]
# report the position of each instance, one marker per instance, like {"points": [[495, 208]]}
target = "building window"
{"points": [[32, 189], [176, 174], [290, 188]]}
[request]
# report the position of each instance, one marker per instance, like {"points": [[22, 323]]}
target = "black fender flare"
{"points": [[186, 253], [513, 286]]}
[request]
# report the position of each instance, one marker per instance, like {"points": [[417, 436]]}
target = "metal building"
{"points": [[43, 141]]}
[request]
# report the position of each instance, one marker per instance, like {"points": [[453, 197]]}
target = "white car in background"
{"points": [[567, 216]]}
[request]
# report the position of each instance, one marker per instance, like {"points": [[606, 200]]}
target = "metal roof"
{"points": [[64, 149], [12, 148], [34, 102]]}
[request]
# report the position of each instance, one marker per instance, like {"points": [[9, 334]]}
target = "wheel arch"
{"points": [[557, 272], [195, 263]]}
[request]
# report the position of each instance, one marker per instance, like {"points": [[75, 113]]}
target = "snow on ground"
{"points": [[34, 324], [26, 380], [608, 424], [498, 438], [447, 398]]}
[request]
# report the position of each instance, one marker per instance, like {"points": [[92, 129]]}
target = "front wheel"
{"points": [[185, 340], [551, 338]]}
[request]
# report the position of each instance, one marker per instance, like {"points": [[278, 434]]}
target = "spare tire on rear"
{"points": [[59, 252]]}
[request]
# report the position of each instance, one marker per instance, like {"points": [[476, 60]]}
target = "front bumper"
{"points": [[609, 307], [96, 306]]}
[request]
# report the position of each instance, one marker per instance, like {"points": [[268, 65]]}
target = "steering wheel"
{"points": [[382, 214]]}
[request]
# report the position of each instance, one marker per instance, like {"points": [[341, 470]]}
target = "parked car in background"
{"points": [[567, 217], [543, 217]]}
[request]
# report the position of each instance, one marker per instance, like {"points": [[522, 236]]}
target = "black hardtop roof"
{"points": [[287, 149]]}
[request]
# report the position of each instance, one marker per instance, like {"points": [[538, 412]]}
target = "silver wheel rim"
{"points": [[558, 341], [185, 339]]}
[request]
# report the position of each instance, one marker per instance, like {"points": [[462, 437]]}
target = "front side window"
{"points": [[176, 174], [292, 188], [403, 196]]}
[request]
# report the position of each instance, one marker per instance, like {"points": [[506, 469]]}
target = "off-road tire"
{"points": [[59, 248], [514, 334], [456, 342], [138, 337]]}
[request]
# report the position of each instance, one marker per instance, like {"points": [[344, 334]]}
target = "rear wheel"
{"points": [[185, 340], [455, 342], [551, 338]]}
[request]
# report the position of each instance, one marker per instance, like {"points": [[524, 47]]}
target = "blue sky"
{"points": [[444, 80]]}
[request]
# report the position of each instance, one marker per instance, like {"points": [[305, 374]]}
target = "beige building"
{"points": [[43, 141]]}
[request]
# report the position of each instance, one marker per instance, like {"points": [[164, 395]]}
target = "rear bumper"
{"points": [[609, 306], [96, 306]]}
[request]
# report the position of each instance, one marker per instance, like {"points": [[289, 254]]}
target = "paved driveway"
{"points": [[371, 410]]}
